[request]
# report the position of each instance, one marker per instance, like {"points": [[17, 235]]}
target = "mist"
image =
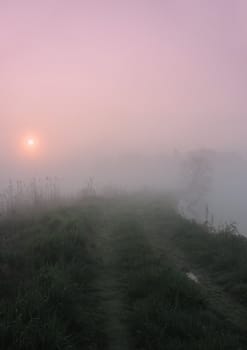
{"points": [[121, 93], [123, 167]]}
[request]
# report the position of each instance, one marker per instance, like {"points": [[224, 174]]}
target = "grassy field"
{"points": [[110, 273]]}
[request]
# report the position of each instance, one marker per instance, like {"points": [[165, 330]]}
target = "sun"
{"points": [[31, 144]]}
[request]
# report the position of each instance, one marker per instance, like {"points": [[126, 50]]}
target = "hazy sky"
{"points": [[115, 76]]}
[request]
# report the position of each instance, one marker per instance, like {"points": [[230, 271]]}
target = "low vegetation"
{"points": [[48, 269], [221, 253], [165, 309], [64, 271]]}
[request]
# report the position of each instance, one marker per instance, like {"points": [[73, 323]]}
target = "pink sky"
{"points": [[121, 76]]}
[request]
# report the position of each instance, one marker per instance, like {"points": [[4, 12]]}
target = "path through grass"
{"points": [[111, 274]]}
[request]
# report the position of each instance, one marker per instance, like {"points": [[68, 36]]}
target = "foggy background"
{"points": [[122, 91]]}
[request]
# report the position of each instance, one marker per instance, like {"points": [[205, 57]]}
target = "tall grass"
{"points": [[47, 297], [19, 197]]}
